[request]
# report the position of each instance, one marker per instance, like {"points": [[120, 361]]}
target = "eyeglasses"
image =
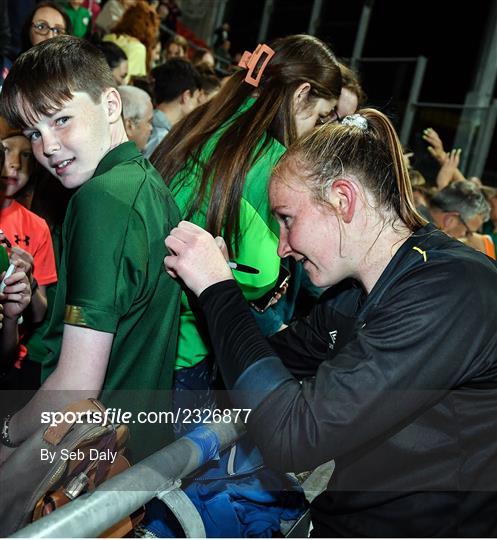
{"points": [[469, 232], [43, 29]]}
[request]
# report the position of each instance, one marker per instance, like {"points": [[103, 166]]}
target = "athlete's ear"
{"points": [[113, 103], [343, 197]]}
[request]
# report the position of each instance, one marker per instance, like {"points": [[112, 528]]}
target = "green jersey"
{"points": [[258, 240], [112, 279]]}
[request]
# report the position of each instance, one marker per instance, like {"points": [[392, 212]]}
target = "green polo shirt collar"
{"points": [[124, 152]]}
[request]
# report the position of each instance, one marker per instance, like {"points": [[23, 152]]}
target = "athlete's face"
{"points": [[309, 231]]}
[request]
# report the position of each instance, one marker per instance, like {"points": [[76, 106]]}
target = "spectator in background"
{"points": [[209, 85], [490, 226], [137, 114], [46, 21], [204, 58], [420, 193], [352, 97], [448, 161], [170, 13], [111, 14], [460, 209], [223, 53], [221, 35], [175, 47], [79, 16], [176, 89], [117, 60], [28, 238], [93, 6], [137, 33]]}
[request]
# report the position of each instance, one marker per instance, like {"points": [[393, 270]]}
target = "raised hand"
{"points": [[436, 147], [196, 257], [16, 295], [449, 170]]}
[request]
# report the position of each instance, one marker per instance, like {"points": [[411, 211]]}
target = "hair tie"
{"points": [[250, 60], [355, 120]]}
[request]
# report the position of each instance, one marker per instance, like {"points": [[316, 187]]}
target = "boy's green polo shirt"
{"points": [[112, 279]]}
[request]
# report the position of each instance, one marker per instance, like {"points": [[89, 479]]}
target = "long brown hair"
{"points": [[364, 145], [298, 59]]}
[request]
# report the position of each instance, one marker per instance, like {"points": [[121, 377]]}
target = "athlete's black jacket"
{"points": [[399, 387]]}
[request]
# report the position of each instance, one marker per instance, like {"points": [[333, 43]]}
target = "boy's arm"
{"points": [[79, 374], [15, 298]]}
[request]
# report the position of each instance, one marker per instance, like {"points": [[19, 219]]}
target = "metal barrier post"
{"points": [[266, 17], [221, 9], [315, 16], [483, 141], [361, 33], [413, 99]]}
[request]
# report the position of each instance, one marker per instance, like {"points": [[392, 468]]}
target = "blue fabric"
{"points": [[207, 441], [250, 507]]}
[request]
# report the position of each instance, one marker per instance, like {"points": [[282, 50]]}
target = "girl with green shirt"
{"points": [[217, 163], [219, 159]]}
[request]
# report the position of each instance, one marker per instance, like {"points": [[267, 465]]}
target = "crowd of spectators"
{"points": [[142, 130]]}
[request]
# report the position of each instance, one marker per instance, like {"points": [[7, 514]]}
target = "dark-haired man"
{"points": [[177, 89]]}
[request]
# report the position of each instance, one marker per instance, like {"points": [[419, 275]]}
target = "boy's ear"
{"points": [[113, 104], [343, 195], [185, 97]]}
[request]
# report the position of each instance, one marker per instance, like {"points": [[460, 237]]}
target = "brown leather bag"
{"points": [[87, 444]]}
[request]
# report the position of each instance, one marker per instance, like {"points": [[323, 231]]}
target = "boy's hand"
{"points": [[16, 295], [22, 260]]}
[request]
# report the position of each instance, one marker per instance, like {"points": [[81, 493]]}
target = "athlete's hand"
{"points": [[196, 257]]}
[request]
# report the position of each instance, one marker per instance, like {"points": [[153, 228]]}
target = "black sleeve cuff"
{"points": [[235, 335]]}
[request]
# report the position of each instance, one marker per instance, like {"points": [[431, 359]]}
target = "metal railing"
{"points": [[91, 514]]}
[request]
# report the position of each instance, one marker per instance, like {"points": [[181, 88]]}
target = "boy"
{"points": [[115, 320]]}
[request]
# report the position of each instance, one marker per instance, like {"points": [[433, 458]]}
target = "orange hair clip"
{"points": [[250, 60]]}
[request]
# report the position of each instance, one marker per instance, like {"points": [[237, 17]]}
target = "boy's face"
{"points": [[17, 166], [71, 142]]}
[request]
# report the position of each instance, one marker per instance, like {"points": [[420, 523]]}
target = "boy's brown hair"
{"points": [[45, 77]]}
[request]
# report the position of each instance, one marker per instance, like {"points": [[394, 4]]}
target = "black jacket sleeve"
{"points": [[424, 338]]}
